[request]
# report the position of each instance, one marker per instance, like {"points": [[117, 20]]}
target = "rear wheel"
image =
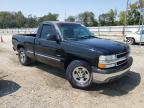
{"points": [[79, 74], [130, 41], [24, 60]]}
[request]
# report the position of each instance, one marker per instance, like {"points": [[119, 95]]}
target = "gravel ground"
{"points": [[42, 86]]}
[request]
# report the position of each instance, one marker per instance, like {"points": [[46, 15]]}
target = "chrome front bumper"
{"points": [[105, 76]]}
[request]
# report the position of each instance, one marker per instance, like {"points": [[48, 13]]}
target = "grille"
{"points": [[122, 54], [123, 61]]}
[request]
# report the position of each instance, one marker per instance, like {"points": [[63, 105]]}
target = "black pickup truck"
{"points": [[73, 47]]}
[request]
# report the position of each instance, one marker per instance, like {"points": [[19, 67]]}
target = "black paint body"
{"points": [[60, 53]]}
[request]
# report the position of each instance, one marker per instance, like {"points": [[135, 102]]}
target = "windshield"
{"points": [[74, 31]]}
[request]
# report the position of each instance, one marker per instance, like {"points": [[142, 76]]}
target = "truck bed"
{"points": [[22, 38]]}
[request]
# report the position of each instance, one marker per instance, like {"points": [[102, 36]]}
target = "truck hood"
{"points": [[108, 46]]}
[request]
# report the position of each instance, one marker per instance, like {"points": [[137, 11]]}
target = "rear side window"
{"points": [[47, 30]]}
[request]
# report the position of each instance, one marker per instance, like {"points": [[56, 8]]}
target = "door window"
{"points": [[142, 32], [47, 30]]}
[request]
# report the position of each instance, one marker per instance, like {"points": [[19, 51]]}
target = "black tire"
{"points": [[70, 74], [130, 41], [24, 60]]}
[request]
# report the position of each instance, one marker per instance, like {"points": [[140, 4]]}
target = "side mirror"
{"points": [[52, 37]]}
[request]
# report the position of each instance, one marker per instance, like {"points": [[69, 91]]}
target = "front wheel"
{"points": [[130, 41], [79, 74], [24, 60]]}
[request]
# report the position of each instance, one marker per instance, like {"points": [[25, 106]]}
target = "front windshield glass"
{"points": [[74, 31]]}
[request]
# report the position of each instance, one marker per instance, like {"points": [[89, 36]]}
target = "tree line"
{"points": [[110, 18]]}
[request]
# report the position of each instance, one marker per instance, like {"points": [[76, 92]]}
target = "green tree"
{"points": [[71, 19], [31, 22], [133, 14], [19, 19], [103, 19], [122, 18], [141, 3], [108, 19], [88, 19], [12, 20], [112, 16], [49, 17]]}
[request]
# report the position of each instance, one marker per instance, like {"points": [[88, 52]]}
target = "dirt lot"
{"points": [[42, 86]]}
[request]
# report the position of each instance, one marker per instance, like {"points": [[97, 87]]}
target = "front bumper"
{"points": [[105, 76]]}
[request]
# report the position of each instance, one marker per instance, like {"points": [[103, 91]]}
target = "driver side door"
{"points": [[48, 51]]}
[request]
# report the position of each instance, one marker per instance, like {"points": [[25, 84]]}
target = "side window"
{"points": [[142, 32], [47, 30]]}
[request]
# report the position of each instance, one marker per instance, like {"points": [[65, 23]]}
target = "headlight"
{"points": [[107, 61], [107, 58]]}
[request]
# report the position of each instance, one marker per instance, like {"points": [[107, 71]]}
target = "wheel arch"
{"points": [[71, 58], [132, 38], [20, 46]]}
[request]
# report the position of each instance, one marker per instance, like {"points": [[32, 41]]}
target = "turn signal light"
{"points": [[102, 66]]}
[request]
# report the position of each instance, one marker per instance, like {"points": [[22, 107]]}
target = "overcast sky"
{"points": [[72, 7]]}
